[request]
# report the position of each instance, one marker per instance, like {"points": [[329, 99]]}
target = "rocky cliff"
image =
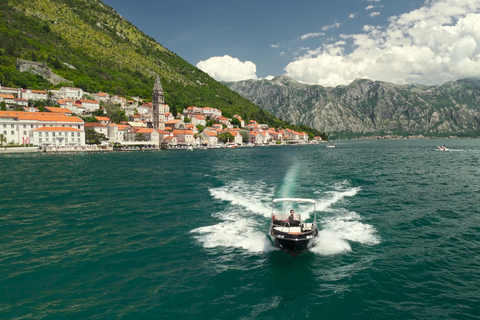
{"points": [[367, 107]]}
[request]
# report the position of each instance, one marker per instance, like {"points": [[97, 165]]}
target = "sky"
{"points": [[329, 42]]}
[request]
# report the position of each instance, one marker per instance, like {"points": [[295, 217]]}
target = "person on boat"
{"points": [[292, 216]]}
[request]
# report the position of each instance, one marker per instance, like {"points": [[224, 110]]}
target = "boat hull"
{"points": [[294, 245]]}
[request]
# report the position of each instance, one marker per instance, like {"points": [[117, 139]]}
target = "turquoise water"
{"points": [[182, 235]]}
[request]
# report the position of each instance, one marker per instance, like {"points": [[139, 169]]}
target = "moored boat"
{"points": [[290, 232]]}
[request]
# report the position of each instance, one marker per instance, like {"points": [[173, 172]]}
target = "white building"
{"points": [[116, 132], [89, 105], [18, 127], [69, 93], [57, 136], [98, 127], [33, 94]]}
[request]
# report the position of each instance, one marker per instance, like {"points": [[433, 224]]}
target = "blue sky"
{"points": [[330, 42]]}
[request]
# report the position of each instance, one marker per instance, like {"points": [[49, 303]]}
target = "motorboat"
{"points": [[330, 145], [288, 231], [442, 148]]}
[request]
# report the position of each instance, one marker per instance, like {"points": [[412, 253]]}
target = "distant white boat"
{"points": [[330, 145], [442, 148]]}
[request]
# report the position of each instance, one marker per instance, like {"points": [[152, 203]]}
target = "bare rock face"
{"points": [[366, 106]]}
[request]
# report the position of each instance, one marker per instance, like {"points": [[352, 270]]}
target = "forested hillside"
{"points": [[88, 43]]}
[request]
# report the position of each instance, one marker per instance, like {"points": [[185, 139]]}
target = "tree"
{"points": [[2, 139], [225, 137], [245, 136], [236, 122], [93, 137], [200, 128], [117, 116], [140, 137]]}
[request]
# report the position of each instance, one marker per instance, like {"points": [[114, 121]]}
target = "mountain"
{"points": [[89, 44], [367, 107]]}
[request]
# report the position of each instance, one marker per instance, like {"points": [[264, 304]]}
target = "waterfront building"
{"points": [[209, 138], [19, 127]]}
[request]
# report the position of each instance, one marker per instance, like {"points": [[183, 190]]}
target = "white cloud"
{"points": [[352, 15], [431, 45], [374, 14], [369, 7], [227, 68], [312, 35], [335, 25], [275, 45]]}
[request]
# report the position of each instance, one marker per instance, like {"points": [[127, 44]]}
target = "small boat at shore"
{"points": [[442, 148], [290, 232]]}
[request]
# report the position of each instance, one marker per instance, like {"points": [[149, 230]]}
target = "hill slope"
{"points": [[88, 43], [367, 107]]}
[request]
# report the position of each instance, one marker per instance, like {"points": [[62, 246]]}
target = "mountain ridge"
{"points": [[367, 107]]}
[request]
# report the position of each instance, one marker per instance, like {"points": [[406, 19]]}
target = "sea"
{"points": [[177, 234]]}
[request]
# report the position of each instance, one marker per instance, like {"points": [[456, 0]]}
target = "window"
{"points": [[24, 133], [24, 126], [39, 134], [4, 131], [4, 125], [73, 134], [53, 134], [31, 126], [46, 134], [39, 140], [12, 126], [13, 132]]}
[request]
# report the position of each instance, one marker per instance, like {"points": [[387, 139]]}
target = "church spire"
{"points": [[158, 100], [157, 87]]}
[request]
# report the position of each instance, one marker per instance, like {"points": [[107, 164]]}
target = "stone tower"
{"points": [[158, 100]]}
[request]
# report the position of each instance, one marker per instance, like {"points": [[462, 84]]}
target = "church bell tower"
{"points": [[158, 100]]}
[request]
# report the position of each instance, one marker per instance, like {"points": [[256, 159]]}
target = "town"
{"points": [[150, 124]]}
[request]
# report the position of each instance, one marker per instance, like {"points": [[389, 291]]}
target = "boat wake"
{"points": [[244, 222], [339, 226]]}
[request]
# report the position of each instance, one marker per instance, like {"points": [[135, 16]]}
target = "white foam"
{"points": [[348, 225], [236, 231], [242, 224], [329, 243], [248, 197], [339, 226]]}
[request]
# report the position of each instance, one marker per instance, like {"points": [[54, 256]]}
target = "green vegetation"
{"points": [[93, 137], [88, 43], [3, 139], [225, 137]]}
